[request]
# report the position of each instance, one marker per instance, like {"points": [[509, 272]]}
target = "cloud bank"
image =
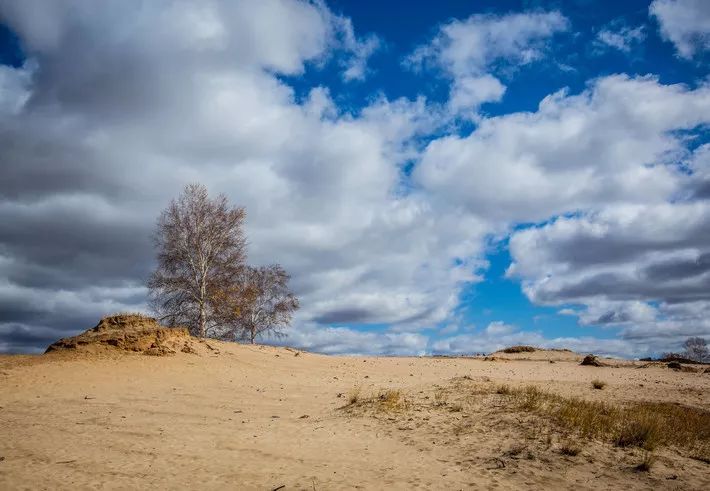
{"points": [[382, 214]]}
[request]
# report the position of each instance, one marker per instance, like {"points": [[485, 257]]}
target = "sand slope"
{"points": [[256, 417]]}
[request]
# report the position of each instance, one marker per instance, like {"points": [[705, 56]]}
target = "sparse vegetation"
{"points": [[520, 349], [531, 423], [386, 400], [570, 449], [642, 424], [598, 384], [528, 398], [440, 397], [641, 432], [391, 400], [354, 395], [503, 389]]}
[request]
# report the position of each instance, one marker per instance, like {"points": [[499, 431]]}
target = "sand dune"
{"points": [[254, 417]]}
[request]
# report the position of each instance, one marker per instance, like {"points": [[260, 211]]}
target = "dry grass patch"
{"points": [[641, 431], [391, 400], [386, 400], [503, 389], [643, 424]]}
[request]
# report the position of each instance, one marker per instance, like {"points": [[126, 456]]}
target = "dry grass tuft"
{"points": [[440, 398], [391, 400], [386, 400], [642, 432], [503, 389], [354, 395], [648, 460], [529, 398], [570, 449], [598, 384]]}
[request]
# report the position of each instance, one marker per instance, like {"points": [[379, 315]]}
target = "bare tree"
{"points": [[261, 302], [696, 349], [201, 251]]}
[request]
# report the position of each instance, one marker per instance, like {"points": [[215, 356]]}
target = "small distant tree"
{"points": [[260, 302], [696, 349], [201, 251]]}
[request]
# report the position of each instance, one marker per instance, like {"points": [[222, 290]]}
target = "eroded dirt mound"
{"points": [[135, 333]]}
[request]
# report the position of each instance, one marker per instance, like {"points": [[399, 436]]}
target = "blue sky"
{"points": [[498, 298], [438, 177], [405, 25]]}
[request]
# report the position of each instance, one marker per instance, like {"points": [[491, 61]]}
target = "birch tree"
{"points": [[697, 349], [260, 302], [201, 251]]}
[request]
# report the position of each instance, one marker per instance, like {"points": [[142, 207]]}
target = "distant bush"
{"points": [[519, 349], [695, 351], [674, 357]]}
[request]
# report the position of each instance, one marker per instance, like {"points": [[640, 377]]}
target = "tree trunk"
{"points": [[203, 321]]}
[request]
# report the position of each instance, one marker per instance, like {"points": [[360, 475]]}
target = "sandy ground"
{"points": [[255, 417]]}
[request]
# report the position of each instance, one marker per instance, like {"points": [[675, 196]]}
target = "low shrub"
{"points": [[598, 384], [519, 349]]}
